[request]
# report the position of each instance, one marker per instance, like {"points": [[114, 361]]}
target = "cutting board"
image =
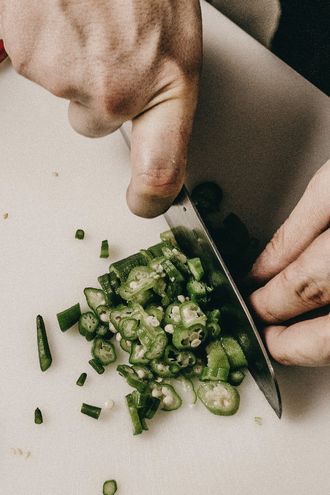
{"points": [[261, 131]]}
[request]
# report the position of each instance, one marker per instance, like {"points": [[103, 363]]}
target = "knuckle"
{"points": [[312, 292], [113, 100], [161, 181]]}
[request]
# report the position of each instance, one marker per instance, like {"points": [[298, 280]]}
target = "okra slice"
{"points": [[236, 377], [189, 338], [80, 234], [218, 366], [104, 252], [107, 286], [156, 265], [95, 297], [172, 314], [156, 311], [104, 332], [132, 377], [192, 314], [137, 354], [103, 312], [172, 272], [169, 398], [69, 317], [123, 267], [128, 328], [38, 419], [196, 268], [143, 372], [198, 291], [153, 340], [234, 352], [220, 398], [168, 238], [134, 414], [81, 380], [103, 351], [88, 324], [164, 370], [182, 359], [98, 367], [126, 345], [91, 411], [109, 487], [45, 357], [119, 312]]}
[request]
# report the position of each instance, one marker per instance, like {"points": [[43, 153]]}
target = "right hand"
{"points": [[117, 60]]}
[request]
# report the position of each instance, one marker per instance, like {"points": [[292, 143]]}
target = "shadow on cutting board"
{"points": [[261, 130]]}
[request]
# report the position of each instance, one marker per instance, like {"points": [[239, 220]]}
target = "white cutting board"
{"points": [[43, 269]]}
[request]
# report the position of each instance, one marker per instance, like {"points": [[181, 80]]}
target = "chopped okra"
{"points": [[109, 487], [80, 234], [38, 419], [104, 249], [171, 318]]}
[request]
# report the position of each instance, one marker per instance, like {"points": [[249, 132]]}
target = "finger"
{"points": [[300, 287], [306, 343], [160, 138], [308, 219]]}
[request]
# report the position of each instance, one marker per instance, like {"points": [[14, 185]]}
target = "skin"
{"points": [[119, 60], [294, 274]]}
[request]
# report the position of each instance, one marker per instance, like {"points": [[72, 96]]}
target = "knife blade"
{"points": [[195, 240]]}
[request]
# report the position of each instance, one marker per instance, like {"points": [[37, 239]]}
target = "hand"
{"points": [[295, 268], [117, 60]]}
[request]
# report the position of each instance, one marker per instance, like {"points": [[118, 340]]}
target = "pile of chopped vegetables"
{"points": [[165, 312]]}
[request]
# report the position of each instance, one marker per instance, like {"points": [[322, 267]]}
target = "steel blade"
{"points": [[194, 239]]}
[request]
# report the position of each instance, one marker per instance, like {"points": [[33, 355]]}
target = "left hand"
{"points": [[294, 271]]}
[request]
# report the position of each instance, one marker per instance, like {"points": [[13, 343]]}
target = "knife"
{"points": [[195, 240]]}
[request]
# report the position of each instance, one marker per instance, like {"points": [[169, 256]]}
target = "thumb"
{"points": [[160, 138]]}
